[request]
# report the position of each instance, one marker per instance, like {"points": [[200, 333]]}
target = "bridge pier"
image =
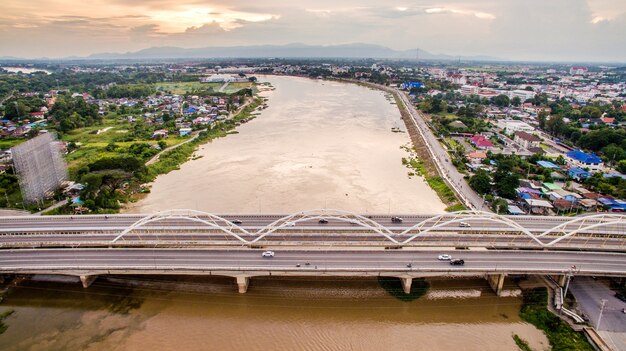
{"points": [[496, 281], [87, 280], [406, 284], [242, 283], [561, 280]]}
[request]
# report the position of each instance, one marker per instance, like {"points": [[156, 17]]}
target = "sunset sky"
{"points": [[510, 29]]}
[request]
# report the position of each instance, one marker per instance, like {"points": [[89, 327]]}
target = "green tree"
{"points": [[613, 153], [481, 182], [499, 206], [621, 166], [501, 100]]}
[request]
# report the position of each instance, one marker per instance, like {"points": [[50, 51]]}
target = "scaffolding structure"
{"points": [[39, 166]]}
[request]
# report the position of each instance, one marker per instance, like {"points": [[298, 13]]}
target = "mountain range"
{"points": [[359, 51]]}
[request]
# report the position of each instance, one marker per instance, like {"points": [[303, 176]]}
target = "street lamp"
{"points": [[570, 274]]}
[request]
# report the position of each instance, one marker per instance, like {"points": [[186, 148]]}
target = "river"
{"points": [[160, 313], [319, 144]]}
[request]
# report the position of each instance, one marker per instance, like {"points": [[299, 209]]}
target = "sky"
{"points": [[555, 30]]}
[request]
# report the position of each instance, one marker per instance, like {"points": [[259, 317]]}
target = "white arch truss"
{"points": [[585, 223], [212, 221], [567, 229], [313, 215], [463, 216]]}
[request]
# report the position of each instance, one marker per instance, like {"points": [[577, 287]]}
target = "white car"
{"points": [[464, 225], [267, 254], [444, 257], [290, 224]]}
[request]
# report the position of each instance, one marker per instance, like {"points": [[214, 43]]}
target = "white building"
{"points": [[523, 95], [469, 90], [511, 126]]}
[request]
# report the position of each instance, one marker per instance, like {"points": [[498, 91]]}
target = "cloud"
{"points": [[516, 29]]}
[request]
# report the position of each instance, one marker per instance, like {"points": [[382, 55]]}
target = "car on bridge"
{"points": [[396, 220], [457, 262], [269, 254], [237, 221], [322, 221], [444, 257], [464, 225]]}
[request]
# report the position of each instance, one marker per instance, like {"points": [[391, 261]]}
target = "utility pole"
{"points": [[600, 316]]}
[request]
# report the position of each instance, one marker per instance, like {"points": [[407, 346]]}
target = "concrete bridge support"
{"points": [[87, 280], [496, 281], [242, 283], [561, 280], [406, 284]]}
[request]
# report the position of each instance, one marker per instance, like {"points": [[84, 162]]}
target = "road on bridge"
{"points": [[119, 260]]}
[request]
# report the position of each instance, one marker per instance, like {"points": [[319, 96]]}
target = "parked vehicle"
{"points": [[457, 262], [269, 254], [620, 296]]}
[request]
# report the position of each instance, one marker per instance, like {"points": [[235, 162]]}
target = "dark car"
{"points": [[457, 262], [322, 221], [396, 220], [237, 222], [621, 296]]}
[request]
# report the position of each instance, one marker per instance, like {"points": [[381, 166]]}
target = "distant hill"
{"points": [[283, 51]]}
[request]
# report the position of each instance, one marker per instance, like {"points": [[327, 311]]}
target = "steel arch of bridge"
{"points": [[216, 222], [213, 221], [343, 216], [443, 220]]}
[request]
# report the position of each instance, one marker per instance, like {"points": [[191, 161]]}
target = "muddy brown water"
{"points": [[195, 313]]}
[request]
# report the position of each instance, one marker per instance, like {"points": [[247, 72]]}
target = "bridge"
{"points": [[314, 243]]}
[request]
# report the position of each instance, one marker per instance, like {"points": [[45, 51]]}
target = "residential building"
{"points": [[580, 159], [511, 126], [526, 140]]}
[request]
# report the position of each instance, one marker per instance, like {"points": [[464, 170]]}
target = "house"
{"points": [[161, 133], [578, 173], [480, 142], [184, 131], [564, 205], [515, 210], [548, 164], [476, 157], [608, 120], [526, 140], [535, 206], [580, 159]]}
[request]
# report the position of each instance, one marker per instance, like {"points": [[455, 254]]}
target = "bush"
{"points": [[561, 336]]}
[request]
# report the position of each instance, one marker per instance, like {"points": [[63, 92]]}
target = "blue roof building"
{"points": [[580, 159], [578, 173], [547, 164]]}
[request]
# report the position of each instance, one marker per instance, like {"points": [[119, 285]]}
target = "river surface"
{"points": [[319, 144], [25, 70], [160, 313]]}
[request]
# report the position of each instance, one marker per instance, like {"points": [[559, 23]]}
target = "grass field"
{"points": [[92, 145], [9, 143], [181, 88]]}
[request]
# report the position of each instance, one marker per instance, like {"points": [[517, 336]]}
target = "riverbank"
{"points": [[561, 336], [423, 164]]}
